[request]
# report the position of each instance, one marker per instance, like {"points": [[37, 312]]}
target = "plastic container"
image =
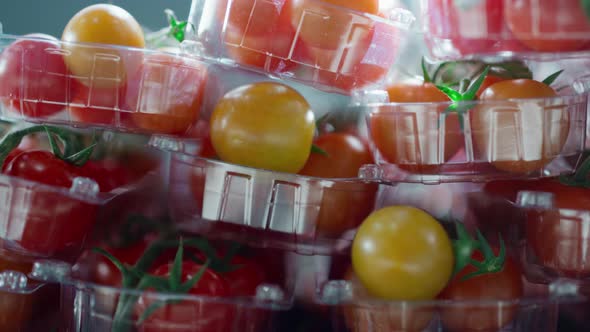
{"points": [[352, 309], [95, 85], [264, 208], [48, 220], [327, 46], [557, 239], [419, 142], [455, 29]]}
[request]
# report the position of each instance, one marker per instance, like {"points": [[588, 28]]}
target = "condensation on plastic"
{"points": [[557, 240], [418, 142], [106, 86], [327, 46], [463, 29], [264, 208]]}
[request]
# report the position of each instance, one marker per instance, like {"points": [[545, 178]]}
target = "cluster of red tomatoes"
{"points": [[490, 26]]}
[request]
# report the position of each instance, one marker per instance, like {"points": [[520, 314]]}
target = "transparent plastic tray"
{"points": [[305, 214], [86, 306], [558, 240], [354, 310], [328, 46], [455, 29], [96, 85], [418, 142]]}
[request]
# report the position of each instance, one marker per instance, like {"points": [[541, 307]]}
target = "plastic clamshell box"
{"points": [[305, 214], [420, 142], [86, 306], [352, 309], [330, 47], [459, 29], [97, 85], [557, 240]]}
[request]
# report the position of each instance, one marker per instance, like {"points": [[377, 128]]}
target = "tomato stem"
{"points": [[551, 78]]}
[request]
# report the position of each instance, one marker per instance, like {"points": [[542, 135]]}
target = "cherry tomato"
{"points": [[189, 315], [488, 81], [505, 285], [33, 77], [328, 24], [265, 125], [472, 29], [402, 316], [244, 280], [512, 135], [549, 25], [108, 173], [345, 204], [166, 92], [103, 24], [99, 106], [556, 235], [408, 133], [402, 253], [51, 222]]}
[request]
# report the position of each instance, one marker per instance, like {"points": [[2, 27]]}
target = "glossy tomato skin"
{"points": [[548, 26], [457, 26], [202, 315], [506, 285], [265, 125], [165, 94], [33, 77], [557, 236], [345, 204], [45, 229], [513, 136], [402, 253], [408, 132], [102, 24]]}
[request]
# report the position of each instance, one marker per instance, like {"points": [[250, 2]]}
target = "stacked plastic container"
{"points": [[176, 190]]}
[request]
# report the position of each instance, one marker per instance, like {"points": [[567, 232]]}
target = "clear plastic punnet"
{"points": [[95, 85], [474, 141], [316, 42], [455, 29]]}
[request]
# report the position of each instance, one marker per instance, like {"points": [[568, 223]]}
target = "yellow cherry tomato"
{"points": [[402, 253], [264, 125], [103, 24]]}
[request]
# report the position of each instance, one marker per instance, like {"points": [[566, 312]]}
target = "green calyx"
{"points": [[73, 152], [464, 247], [177, 28]]}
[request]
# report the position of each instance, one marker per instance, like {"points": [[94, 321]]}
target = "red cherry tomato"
{"points": [[548, 25], [99, 106], [407, 133], [470, 30], [203, 315], [506, 285], [50, 222], [488, 81], [108, 173], [165, 94], [244, 280], [556, 235], [33, 77]]}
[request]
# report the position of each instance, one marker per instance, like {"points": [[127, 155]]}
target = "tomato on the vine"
{"points": [[265, 125], [509, 125], [408, 132], [466, 315], [549, 25], [165, 94], [102, 24], [189, 315], [33, 77], [402, 253]]}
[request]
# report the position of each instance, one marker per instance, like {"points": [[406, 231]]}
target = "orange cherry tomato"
{"points": [[409, 133], [519, 136], [165, 94], [487, 82], [328, 24], [102, 65]]}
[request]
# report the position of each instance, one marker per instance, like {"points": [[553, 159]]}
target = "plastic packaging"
{"points": [[321, 44], [123, 89], [455, 29]]}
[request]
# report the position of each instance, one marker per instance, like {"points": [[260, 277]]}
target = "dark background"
{"points": [[51, 16]]}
